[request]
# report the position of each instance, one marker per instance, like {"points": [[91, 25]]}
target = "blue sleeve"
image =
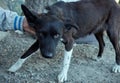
{"points": [[10, 20]]}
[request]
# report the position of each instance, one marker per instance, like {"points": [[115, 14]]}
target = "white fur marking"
{"points": [[67, 57], [62, 39], [17, 65], [116, 69]]}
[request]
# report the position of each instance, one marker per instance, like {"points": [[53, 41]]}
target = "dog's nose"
{"points": [[48, 55]]}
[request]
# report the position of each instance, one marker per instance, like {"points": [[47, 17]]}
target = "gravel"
{"points": [[83, 68]]}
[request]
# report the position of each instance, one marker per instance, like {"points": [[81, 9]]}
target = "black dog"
{"points": [[70, 21]]}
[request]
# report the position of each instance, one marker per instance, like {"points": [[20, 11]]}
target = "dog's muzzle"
{"points": [[47, 55]]}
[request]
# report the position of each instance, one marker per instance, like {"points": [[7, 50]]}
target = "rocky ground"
{"points": [[83, 68]]}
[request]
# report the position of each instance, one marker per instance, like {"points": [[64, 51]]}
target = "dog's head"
{"points": [[48, 28]]}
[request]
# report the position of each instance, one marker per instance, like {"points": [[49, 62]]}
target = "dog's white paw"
{"points": [[116, 69], [16, 66], [62, 77]]}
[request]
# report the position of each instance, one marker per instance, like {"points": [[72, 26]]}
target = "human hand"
{"points": [[27, 28]]}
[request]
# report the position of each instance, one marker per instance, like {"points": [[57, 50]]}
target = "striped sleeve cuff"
{"points": [[18, 23]]}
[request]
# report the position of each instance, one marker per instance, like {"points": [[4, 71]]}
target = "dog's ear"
{"points": [[30, 16], [70, 24]]}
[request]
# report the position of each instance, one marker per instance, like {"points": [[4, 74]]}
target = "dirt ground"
{"points": [[83, 68]]}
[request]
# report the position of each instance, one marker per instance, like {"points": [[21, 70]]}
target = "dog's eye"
{"points": [[41, 34], [56, 36]]}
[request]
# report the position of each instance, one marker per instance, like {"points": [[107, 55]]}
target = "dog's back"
{"points": [[89, 15]]}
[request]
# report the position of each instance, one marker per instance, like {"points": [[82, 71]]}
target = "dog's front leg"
{"points": [[20, 61], [67, 57]]}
